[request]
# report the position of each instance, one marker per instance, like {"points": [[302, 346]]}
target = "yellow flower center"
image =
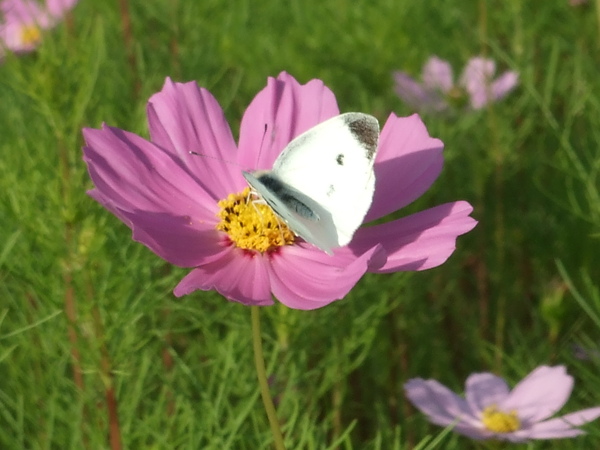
{"points": [[252, 225], [30, 35], [457, 97], [499, 421]]}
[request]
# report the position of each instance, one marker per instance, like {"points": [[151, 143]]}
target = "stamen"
{"points": [[457, 97], [252, 225], [499, 421], [30, 35]]}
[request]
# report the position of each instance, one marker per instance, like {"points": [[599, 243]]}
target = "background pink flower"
{"points": [[438, 88], [22, 21], [492, 411], [477, 79], [168, 197]]}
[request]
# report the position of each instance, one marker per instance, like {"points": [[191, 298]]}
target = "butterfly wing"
{"points": [[304, 216], [332, 165]]}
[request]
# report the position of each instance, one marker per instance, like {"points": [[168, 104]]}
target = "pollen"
{"points": [[499, 421], [252, 225], [30, 35]]}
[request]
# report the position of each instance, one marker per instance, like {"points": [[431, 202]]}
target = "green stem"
{"points": [[259, 362]]}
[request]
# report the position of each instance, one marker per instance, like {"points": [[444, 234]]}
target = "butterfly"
{"points": [[322, 183]]}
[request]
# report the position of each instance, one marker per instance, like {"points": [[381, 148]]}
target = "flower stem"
{"points": [[259, 362], [112, 406], [128, 39]]}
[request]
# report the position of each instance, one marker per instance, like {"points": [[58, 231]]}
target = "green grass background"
{"points": [[521, 289]]}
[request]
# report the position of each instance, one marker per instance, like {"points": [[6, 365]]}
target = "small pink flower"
{"points": [[437, 91], [23, 22], [188, 209], [492, 411]]}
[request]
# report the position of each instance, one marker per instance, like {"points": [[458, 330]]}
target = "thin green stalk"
{"points": [[130, 45], [112, 405], [259, 362], [597, 5]]}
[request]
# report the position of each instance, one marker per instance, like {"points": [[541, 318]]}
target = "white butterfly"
{"points": [[322, 184]]}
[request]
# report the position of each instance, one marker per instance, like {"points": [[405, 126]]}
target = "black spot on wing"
{"points": [[366, 129], [340, 159]]}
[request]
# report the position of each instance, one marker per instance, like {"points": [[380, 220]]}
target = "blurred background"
{"points": [[95, 350]]}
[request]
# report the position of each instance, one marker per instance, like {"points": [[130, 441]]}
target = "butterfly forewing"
{"points": [[332, 164], [322, 183]]}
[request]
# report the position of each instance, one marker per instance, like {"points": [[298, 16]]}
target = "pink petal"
{"points": [[420, 241], [279, 113], [152, 194], [504, 84], [135, 174], [437, 75], [417, 95], [305, 278], [526, 435], [561, 427], [58, 8], [184, 118], [476, 79], [540, 394], [24, 13], [485, 389], [239, 275], [408, 162], [11, 38], [577, 418], [441, 405], [409, 90], [172, 238]]}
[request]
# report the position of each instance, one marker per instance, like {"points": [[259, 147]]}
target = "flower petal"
{"points": [[416, 95], [135, 174], [540, 394], [504, 84], [419, 241], [239, 275], [476, 79], [437, 74], [561, 427], [280, 112], [58, 8], [485, 389], [184, 118], [175, 239], [153, 195], [412, 92], [24, 13], [441, 405], [172, 238], [408, 162], [305, 278]]}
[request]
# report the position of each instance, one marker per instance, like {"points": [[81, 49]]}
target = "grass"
{"points": [[91, 336]]}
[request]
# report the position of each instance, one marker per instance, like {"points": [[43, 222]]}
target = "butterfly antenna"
{"points": [[213, 157], [262, 141]]}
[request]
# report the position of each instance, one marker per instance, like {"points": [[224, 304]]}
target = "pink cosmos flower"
{"points": [[438, 90], [23, 21], [492, 411], [193, 210]]}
